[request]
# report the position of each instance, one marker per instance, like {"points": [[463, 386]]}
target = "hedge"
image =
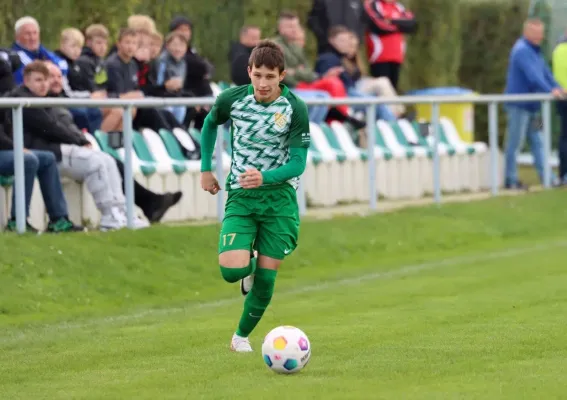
{"points": [[459, 42]]}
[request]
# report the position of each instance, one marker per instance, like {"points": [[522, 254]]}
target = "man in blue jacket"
{"points": [[29, 48], [527, 73]]}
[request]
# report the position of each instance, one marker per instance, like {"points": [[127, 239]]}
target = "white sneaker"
{"points": [[240, 344], [247, 283], [111, 222], [139, 223]]}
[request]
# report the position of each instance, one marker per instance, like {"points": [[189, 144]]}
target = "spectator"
{"points": [[199, 70], [152, 204], [387, 23], [70, 46], [9, 62], [527, 73], [156, 45], [343, 46], [29, 48], [93, 75], [560, 73], [172, 70], [44, 131], [326, 14], [240, 53], [37, 164], [299, 74]]}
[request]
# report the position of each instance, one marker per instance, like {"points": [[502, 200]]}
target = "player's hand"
{"points": [[209, 183], [251, 179]]}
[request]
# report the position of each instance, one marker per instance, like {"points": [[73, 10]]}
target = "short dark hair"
{"points": [[267, 54], [126, 32], [287, 14], [244, 30], [36, 66], [337, 30]]}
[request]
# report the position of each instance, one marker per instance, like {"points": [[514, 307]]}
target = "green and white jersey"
{"points": [[262, 134]]}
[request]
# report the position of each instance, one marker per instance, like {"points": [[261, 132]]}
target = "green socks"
{"points": [[257, 301], [235, 274]]}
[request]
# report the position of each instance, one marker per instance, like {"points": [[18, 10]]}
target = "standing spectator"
{"points": [[29, 48], [43, 130], [240, 53], [560, 73], [43, 166], [326, 14], [387, 23], [527, 73]]}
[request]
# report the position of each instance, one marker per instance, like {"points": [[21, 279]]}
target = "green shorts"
{"points": [[262, 219]]}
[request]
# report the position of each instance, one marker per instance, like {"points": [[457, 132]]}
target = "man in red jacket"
{"points": [[387, 23]]}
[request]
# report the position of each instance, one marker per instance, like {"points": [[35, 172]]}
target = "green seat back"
{"points": [[144, 154], [333, 142], [174, 150]]}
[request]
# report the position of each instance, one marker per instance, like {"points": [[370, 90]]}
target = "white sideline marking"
{"points": [[411, 269]]}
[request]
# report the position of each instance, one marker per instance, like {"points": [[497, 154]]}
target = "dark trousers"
{"points": [[43, 165], [87, 118], [562, 146], [144, 198], [390, 70]]}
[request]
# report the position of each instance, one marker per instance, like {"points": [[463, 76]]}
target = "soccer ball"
{"points": [[286, 350]]}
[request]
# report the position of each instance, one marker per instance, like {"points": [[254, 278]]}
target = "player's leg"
{"points": [[276, 238], [235, 244]]}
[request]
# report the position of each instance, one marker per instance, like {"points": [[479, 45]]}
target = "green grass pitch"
{"points": [[465, 301]]}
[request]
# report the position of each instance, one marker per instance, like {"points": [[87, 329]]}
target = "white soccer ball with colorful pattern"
{"points": [[286, 349]]}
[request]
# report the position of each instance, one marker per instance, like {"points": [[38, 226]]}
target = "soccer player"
{"points": [[270, 137]]}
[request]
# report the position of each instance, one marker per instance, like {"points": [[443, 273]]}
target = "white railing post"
{"points": [[436, 158], [546, 111], [128, 173], [19, 168], [219, 150], [493, 146], [302, 195], [371, 142]]}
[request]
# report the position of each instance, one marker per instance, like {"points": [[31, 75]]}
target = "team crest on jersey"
{"points": [[280, 120]]}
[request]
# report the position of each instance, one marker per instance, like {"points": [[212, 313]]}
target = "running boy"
{"points": [[270, 137]]}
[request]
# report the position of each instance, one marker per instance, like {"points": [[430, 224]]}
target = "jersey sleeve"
{"points": [[220, 112], [299, 134]]}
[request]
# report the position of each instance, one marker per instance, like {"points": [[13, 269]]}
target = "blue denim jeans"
{"points": [[522, 123], [43, 165], [87, 118], [317, 114], [382, 111]]}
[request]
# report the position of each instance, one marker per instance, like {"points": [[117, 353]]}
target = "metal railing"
{"points": [[17, 105]]}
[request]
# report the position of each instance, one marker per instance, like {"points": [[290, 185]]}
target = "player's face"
{"points": [[266, 82]]}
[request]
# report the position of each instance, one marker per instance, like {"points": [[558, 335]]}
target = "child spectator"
{"points": [[91, 61], [70, 44], [80, 83], [172, 69], [156, 45]]}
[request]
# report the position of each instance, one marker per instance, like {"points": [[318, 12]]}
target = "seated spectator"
{"points": [[199, 70], [93, 75], [171, 71], [301, 77], [70, 45], [29, 48], [156, 45], [343, 53], [240, 53], [152, 204], [44, 131]]}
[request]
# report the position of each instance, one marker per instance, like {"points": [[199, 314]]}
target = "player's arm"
{"points": [[219, 114], [299, 145]]}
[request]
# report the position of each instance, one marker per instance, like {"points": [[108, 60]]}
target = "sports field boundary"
{"points": [[22, 334], [384, 206]]}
